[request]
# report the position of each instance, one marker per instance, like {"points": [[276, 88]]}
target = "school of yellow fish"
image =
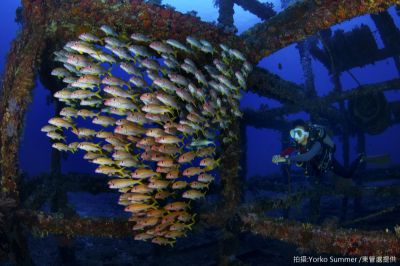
{"points": [[156, 126]]}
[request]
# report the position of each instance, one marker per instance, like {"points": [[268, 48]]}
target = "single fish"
{"points": [[93, 69], [165, 84], [193, 42], [114, 42], [179, 185], [114, 81], [82, 47], [91, 155], [77, 61], [104, 57], [118, 92], [139, 50], [201, 143], [140, 37], [60, 146], [113, 171], [88, 37], [60, 122], [144, 173], [86, 113], [104, 121], [199, 185], [103, 161], [177, 206], [163, 241], [48, 128], [129, 130], [108, 30], [143, 189], [84, 132], [187, 157], [160, 47], [178, 45], [138, 82], [157, 109], [68, 112], [192, 171], [89, 147], [131, 69], [162, 195], [159, 184], [205, 178], [138, 207], [237, 54], [121, 103], [168, 140], [173, 174], [60, 72], [138, 118]]}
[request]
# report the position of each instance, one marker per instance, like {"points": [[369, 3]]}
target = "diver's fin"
{"points": [[378, 159]]}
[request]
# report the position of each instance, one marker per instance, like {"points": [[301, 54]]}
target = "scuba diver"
{"points": [[315, 152]]}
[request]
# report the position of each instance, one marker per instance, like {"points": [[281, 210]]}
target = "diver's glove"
{"points": [[280, 159]]}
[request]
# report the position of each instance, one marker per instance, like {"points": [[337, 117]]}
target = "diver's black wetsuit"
{"points": [[312, 155]]}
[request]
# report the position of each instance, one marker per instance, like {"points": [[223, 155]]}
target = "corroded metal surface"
{"points": [[60, 21], [329, 240], [306, 18]]}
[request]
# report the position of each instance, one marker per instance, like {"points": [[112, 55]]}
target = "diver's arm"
{"points": [[304, 157], [287, 151]]}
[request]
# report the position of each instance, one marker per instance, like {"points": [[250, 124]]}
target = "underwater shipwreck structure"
{"points": [[48, 24]]}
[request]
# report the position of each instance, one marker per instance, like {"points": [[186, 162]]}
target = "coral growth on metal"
{"points": [[49, 21]]}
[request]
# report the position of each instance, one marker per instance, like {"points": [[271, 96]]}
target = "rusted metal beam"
{"points": [[269, 118], [308, 237], [306, 18], [266, 84], [323, 239], [262, 10]]}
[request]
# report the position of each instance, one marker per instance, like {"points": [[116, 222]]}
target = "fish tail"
{"points": [[121, 170], [203, 131], [109, 71], [97, 94], [126, 147], [194, 215], [133, 96], [190, 225], [171, 243], [73, 126]]}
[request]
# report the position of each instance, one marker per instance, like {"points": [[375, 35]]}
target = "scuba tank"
{"points": [[321, 134]]}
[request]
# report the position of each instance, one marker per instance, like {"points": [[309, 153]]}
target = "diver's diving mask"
{"points": [[298, 134]]}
